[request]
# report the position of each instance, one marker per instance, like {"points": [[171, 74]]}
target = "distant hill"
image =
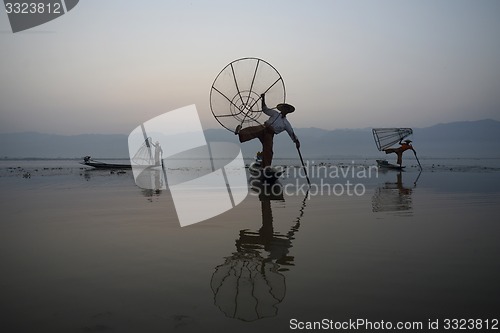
{"points": [[465, 138], [457, 139]]}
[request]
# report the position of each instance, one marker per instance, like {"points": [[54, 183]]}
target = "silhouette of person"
{"points": [[276, 124], [406, 145], [158, 152]]}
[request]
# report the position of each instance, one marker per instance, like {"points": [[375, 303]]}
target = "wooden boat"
{"points": [[384, 164], [88, 161]]}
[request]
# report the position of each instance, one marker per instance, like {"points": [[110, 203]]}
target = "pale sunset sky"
{"points": [[109, 65]]}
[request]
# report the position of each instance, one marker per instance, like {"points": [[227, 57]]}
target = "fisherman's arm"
{"points": [[265, 109], [297, 142], [292, 135]]}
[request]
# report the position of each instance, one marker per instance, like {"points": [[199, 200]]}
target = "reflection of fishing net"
{"points": [[386, 137], [248, 287], [151, 179], [144, 155], [235, 94]]}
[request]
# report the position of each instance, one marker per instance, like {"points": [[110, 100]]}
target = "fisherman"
{"points": [[276, 124], [158, 152], [406, 145]]}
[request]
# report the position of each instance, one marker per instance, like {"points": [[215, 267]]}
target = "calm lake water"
{"points": [[88, 251]]}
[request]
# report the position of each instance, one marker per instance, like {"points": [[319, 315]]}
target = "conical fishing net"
{"points": [[144, 155], [235, 94], [386, 137]]}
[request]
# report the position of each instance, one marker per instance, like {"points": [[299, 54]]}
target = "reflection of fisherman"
{"points": [[276, 124], [158, 152], [393, 196], [250, 285], [406, 145], [399, 182], [277, 246]]}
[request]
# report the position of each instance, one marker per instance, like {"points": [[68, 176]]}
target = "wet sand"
{"points": [[88, 251]]}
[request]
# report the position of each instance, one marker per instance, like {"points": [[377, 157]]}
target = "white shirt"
{"points": [[278, 123]]}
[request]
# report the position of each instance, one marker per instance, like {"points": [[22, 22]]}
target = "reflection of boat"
{"points": [[384, 164], [87, 160], [266, 190]]}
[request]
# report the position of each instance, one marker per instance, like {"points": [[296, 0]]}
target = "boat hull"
{"points": [[383, 164], [102, 165]]}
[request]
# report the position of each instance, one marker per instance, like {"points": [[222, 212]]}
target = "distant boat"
{"points": [[88, 161], [384, 164]]}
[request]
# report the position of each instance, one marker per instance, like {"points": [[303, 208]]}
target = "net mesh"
{"points": [[386, 137], [145, 154], [235, 94]]}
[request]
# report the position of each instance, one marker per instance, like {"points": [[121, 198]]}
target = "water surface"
{"points": [[88, 251]]}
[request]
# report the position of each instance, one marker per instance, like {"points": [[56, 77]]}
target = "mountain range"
{"points": [[456, 139]]}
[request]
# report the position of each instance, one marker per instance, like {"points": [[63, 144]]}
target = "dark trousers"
{"points": [[265, 135]]}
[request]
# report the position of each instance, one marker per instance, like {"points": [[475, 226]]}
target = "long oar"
{"points": [[303, 165], [420, 165]]}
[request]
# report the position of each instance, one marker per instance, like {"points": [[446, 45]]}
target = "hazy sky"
{"points": [[109, 65]]}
